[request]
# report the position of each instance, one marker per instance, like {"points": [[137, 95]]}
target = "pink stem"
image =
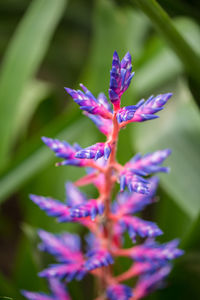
{"points": [[107, 193]]}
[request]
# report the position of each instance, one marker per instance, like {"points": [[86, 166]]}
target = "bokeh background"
{"points": [[48, 44]]}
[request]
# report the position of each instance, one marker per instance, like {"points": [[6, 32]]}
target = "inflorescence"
{"points": [[107, 220]]}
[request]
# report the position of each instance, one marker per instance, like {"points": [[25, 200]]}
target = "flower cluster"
{"points": [[107, 221]]}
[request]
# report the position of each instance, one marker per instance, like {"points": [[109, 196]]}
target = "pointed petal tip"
{"points": [[83, 87], [115, 54], [128, 56], [68, 90], [45, 139], [32, 197]]}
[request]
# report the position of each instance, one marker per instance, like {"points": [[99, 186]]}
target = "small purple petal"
{"points": [[119, 292], [67, 271], [144, 110], [137, 226], [149, 163], [61, 149], [58, 289], [93, 152], [91, 208], [51, 206], [98, 258], [74, 195], [89, 103], [155, 252], [65, 247]]}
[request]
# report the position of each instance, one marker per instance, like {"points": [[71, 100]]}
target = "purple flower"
{"points": [[137, 226], [143, 111], [151, 281], [131, 203], [89, 103], [74, 195], [65, 247], [104, 125], [120, 77], [149, 163], [61, 149], [95, 151], [69, 272], [64, 213], [126, 113], [52, 207], [135, 183], [65, 151], [98, 258], [119, 292], [151, 251], [92, 208]]}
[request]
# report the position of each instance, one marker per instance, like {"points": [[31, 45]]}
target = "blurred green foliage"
{"points": [[47, 44]]}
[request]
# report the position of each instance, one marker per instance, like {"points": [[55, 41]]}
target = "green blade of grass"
{"points": [[177, 129], [177, 42], [23, 57], [35, 162]]}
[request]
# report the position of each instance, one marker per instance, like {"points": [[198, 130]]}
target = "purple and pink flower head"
{"points": [[107, 221]]}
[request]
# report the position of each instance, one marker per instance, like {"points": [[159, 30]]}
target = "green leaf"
{"points": [[112, 32], [35, 162], [6, 287], [178, 129], [23, 57], [35, 92], [191, 240], [174, 38]]}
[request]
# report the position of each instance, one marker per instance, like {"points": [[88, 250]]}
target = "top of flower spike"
{"points": [[120, 77]]}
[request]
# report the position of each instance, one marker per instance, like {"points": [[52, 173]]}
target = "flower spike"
{"points": [[120, 78], [108, 221]]}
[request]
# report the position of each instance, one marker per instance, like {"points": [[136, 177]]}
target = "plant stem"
{"points": [[108, 187]]}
